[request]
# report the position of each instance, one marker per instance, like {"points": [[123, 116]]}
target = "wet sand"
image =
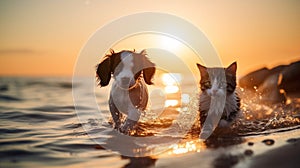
{"points": [[280, 149]]}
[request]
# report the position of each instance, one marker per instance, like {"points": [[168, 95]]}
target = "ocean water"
{"points": [[43, 125]]}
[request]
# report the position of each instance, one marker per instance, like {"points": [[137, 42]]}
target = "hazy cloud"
{"points": [[20, 51]]}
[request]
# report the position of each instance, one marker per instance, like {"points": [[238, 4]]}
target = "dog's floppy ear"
{"points": [[148, 73], [148, 68], [104, 72]]}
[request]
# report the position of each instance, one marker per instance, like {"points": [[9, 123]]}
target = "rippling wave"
{"points": [[39, 125]]}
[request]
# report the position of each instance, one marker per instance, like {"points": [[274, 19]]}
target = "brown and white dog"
{"points": [[129, 95]]}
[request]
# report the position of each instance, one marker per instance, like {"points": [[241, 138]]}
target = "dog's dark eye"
{"points": [[117, 71]]}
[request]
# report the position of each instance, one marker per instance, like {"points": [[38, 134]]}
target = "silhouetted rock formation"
{"points": [[274, 84]]}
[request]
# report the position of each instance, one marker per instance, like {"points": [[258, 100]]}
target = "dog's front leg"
{"points": [[131, 120], [128, 126], [115, 113]]}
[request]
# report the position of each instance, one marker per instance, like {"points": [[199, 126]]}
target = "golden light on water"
{"points": [[179, 150], [171, 103], [171, 89], [168, 91], [182, 148], [171, 83]]}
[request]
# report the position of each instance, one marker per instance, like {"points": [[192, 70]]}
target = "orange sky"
{"points": [[39, 38]]}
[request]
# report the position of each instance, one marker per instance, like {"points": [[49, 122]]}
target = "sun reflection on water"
{"points": [[186, 147], [171, 89], [171, 83], [171, 103]]}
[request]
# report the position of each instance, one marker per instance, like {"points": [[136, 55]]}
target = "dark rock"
{"points": [[271, 91], [268, 141], [254, 78], [293, 140], [274, 84], [290, 82], [248, 152], [250, 143]]}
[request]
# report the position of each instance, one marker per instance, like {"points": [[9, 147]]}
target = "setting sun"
{"points": [[170, 44]]}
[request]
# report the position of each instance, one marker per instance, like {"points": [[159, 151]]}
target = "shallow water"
{"points": [[41, 127]]}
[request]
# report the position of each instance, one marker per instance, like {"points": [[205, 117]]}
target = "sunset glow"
{"points": [[45, 38], [170, 79], [170, 44]]}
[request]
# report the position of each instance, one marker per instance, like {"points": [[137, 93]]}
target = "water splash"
{"points": [[255, 118], [258, 117]]}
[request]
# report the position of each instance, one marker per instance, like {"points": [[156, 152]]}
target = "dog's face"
{"points": [[124, 72], [126, 67]]}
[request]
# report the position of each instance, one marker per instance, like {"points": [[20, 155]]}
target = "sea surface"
{"points": [[57, 122]]}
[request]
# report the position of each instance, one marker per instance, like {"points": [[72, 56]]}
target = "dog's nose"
{"points": [[125, 80]]}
